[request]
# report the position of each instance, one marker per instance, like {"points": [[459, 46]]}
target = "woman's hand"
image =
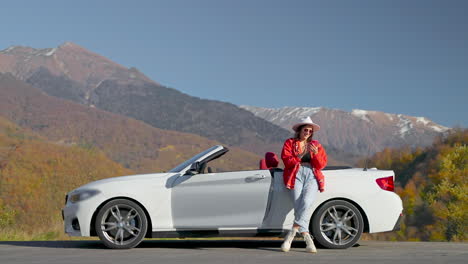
{"points": [[312, 148]]}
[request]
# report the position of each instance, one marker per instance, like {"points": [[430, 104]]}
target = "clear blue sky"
{"points": [[405, 57]]}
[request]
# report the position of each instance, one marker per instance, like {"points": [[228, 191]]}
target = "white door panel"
{"points": [[217, 200]]}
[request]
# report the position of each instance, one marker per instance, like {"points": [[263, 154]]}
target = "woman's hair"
{"points": [[297, 135]]}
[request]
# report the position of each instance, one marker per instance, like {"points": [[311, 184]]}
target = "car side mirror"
{"points": [[194, 169]]}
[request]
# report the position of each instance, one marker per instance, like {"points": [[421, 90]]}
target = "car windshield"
{"points": [[186, 163]]}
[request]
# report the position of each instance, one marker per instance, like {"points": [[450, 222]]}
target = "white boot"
{"points": [[310, 243], [286, 246]]}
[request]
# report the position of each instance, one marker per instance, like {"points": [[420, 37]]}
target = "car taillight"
{"points": [[386, 183]]}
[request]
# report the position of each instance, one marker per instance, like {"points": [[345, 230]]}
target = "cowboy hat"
{"points": [[306, 121]]}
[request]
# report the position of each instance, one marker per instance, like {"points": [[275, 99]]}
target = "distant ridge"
{"points": [[360, 131]]}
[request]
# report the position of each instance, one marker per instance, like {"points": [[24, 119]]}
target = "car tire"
{"points": [[121, 224], [337, 224]]}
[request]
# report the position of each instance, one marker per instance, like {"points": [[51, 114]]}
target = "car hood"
{"points": [[154, 177]]}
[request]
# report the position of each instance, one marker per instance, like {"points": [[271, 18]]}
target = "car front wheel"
{"points": [[337, 224], [121, 224]]}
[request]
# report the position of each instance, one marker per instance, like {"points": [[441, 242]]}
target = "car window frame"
{"points": [[183, 167]]}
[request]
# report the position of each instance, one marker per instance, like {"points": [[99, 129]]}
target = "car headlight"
{"points": [[82, 195]]}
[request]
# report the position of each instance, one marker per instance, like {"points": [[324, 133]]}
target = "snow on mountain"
{"points": [[28, 52], [422, 120], [282, 116], [51, 52], [389, 116], [7, 50], [361, 114], [439, 128], [405, 125]]}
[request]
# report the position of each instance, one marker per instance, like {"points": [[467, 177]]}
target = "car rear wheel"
{"points": [[337, 224], [121, 224]]}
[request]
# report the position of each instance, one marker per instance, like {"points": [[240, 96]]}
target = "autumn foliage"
{"points": [[433, 184], [36, 175]]}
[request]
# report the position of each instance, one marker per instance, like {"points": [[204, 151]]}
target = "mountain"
{"points": [[132, 143], [70, 60], [71, 72], [360, 132]]}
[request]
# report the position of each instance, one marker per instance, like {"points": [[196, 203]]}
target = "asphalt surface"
{"points": [[229, 251]]}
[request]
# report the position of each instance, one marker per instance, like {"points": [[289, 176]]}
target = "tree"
{"points": [[448, 196]]}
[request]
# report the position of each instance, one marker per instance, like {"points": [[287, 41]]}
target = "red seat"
{"points": [[270, 161], [263, 165]]}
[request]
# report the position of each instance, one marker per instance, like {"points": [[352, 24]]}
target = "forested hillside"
{"points": [[35, 176], [433, 183], [132, 143]]}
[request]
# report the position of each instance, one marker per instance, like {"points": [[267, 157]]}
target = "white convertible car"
{"points": [[192, 201]]}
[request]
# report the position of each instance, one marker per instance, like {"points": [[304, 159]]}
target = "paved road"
{"points": [[222, 251]]}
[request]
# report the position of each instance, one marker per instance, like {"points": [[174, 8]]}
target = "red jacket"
{"points": [[291, 161]]}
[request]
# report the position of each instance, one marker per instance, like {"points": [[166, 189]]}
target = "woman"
{"points": [[303, 160]]}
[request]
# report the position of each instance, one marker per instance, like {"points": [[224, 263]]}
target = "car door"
{"points": [[220, 200]]}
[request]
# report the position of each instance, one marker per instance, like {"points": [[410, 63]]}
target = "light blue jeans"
{"points": [[304, 193]]}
